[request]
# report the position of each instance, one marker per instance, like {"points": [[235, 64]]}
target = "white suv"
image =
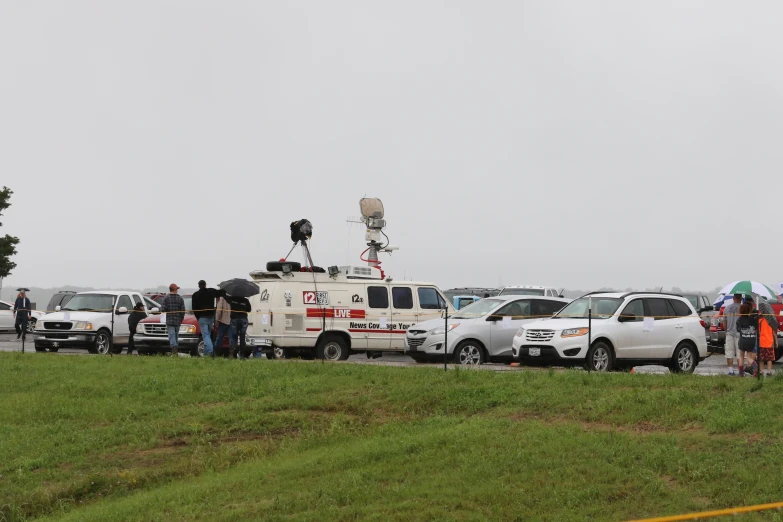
{"points": [[628, 329]]}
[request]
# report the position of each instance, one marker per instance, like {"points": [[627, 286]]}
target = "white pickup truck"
{"points": [[92, 320]]}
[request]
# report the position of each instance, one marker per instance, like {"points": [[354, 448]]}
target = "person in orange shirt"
{"points": [[768, 336]]}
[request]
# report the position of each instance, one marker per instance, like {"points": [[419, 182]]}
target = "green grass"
{"points": [[150, 438]]}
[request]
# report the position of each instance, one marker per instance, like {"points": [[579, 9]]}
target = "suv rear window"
{"points": [[659, 308], [680, 308]]}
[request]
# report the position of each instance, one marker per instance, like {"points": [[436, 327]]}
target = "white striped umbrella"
{"points": [[748, 288]]}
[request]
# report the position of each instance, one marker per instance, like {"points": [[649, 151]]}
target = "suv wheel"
{"points": [[332, 348], [102, 343], [599, 358], [684, 359], [469, 353]]}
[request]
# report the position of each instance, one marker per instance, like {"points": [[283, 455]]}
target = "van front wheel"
{"points": [[332, 348]]}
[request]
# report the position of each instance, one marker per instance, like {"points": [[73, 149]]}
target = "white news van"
{"points": [[315, 314]]}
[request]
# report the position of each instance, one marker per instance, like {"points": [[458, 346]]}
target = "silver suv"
{"points": [[481, 332]]}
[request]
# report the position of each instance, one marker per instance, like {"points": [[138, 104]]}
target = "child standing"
{"points": [[747, 330]]}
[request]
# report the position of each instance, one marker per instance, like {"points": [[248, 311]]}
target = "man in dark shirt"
{"points": [[134, 318], [22, 312], [240, 308], [174, 307], [204, 310]]}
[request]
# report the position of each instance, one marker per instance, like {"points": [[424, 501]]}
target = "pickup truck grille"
{"points": [[55, 325], [539, 335], [154, 329]]}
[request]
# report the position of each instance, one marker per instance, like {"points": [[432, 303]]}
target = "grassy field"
{"points": [[151, 438]]}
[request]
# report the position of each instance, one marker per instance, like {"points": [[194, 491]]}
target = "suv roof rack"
{"points": [[656, 293]]}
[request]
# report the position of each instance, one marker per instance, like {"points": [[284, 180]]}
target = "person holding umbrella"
{"points": [[22, 309], [239, 290]]}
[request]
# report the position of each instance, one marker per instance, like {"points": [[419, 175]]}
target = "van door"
{"points": [[378, 312], [432, 304], [404, 314]]}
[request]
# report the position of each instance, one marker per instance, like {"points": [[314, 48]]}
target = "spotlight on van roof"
{"points": [[333, 271]]}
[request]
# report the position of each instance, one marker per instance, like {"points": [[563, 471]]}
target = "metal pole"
{"points": [[111, 342], [446, 340], [589, 330]]}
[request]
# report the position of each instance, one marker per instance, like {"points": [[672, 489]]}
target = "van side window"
{"points": [[377, 297], [430, 300], [402, 298]]}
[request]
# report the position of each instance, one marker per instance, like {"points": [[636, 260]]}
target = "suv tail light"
{"points": [[703, 324]]}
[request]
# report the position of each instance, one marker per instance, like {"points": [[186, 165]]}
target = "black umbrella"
{"points": [[239, 287], [22, 289]]}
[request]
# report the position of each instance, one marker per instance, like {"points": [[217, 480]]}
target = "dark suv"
{"points": [[59, 299]]}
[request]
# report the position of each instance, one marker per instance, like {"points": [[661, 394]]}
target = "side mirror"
{"points": [[122, 310], [626, 318], [493, 318], [57, 308]]}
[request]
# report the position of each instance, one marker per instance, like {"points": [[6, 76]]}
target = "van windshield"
{"points": [[478, 309], [90, 303]]}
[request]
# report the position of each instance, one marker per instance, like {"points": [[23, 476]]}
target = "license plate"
{"points": [[534, 352]]}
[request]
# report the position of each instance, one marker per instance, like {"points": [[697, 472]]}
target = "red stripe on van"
{"points": [[313, 329], [335, 313], [357, 330]]}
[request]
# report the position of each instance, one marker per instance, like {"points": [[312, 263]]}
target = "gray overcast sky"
{"points": [[570, 143]]}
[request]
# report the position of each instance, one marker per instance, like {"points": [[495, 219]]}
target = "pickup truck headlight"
{"points": [[574, 332], [82, 326], [187, 329], [440, 330]]}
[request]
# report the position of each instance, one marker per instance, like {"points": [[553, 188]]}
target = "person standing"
{"points": [[223, 319], [204, 310], [174, 308], [22, 308], [768, 336], [729, 320], [134, 318], [747, 330], [240, 308]]}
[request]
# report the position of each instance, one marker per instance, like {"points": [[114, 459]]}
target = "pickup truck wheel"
{"points": [[332, 348], [102, 344], [198, 351], [31, 326]]}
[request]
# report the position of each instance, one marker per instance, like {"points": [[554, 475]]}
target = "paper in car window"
{"points": [[649, 324], [507, 322]]}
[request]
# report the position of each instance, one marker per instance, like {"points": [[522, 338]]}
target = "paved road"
{"points": [[713, 365]]}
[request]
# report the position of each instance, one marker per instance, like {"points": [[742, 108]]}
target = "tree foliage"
{"points": [[7, 243]]}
